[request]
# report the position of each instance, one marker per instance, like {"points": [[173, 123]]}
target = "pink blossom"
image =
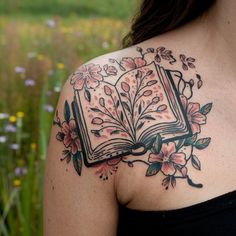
{"points": [[168, 157], [71, 138], [195, 117], [133, 63], [88, 76]]}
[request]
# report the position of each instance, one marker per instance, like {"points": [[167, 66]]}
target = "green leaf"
{"points": [[180, 144], [122, 116], [67, 112], [202, 143], [195, 162], [87, 95], [148, 117], [191, 140], [157, 144], [77, 161], [140, 125], [126, 106], [115, 132], [95, 109], [206, 108], [139, 109], [153, 169]]}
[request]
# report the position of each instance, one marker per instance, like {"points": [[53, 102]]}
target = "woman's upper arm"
{"points": [[76, 201]]}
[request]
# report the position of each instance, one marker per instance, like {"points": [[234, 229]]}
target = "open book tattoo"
{"points": [[125, 109]]}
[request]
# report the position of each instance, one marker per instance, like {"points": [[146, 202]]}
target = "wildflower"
{"points": [[15, 146], [51, 23], [57, 88], [29, 82], [4, 116], [19, 171], [3, 139], [60, 66], [16, 182], [12, 119], [48, 108], [19, 70], [33, 146], [20, 114], [88, 76], [10, 128]]}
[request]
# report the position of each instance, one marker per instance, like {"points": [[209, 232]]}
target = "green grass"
{"points": [[96, 8], [82, 30]]}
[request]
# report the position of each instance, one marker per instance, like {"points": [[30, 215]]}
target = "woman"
{"points": [[146, 134]]}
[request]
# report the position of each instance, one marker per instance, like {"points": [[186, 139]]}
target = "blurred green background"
{"points": [[41, 43]]}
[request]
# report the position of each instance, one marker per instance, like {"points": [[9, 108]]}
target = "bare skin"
{"points": [[83, 199]]}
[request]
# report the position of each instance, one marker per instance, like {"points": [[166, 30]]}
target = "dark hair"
{"points": [[159, 16]]}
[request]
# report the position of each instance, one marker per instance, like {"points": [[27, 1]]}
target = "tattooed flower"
{"points": [[125, 87], [70, 136], [169, 159], [107, 90], [97, 121], [133, 63], [195, 117], [106, 168], [88, 76], [110, 70]]}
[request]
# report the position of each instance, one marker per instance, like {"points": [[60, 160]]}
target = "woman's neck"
{"points": [[221, 26]]}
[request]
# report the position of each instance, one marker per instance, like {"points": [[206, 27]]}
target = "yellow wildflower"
{"points": [[16, 182], [12, 119], [33, 146], [60, 66], [20, 114]]}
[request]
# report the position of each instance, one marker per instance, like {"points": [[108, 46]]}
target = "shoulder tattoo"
{"points": [[125, 109]]}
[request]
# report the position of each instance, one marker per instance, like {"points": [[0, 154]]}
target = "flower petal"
{"points": [[168, 168], [199, 118], [139, 61], [65, 128], [178, 158], [79, 84], [67, 140], [195, 128], [193, 107], [168, 148], [128, 62], [91, 82], [153, 157]]}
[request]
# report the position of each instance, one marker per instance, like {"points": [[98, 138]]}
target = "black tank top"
{"points": [[216, 216]]}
